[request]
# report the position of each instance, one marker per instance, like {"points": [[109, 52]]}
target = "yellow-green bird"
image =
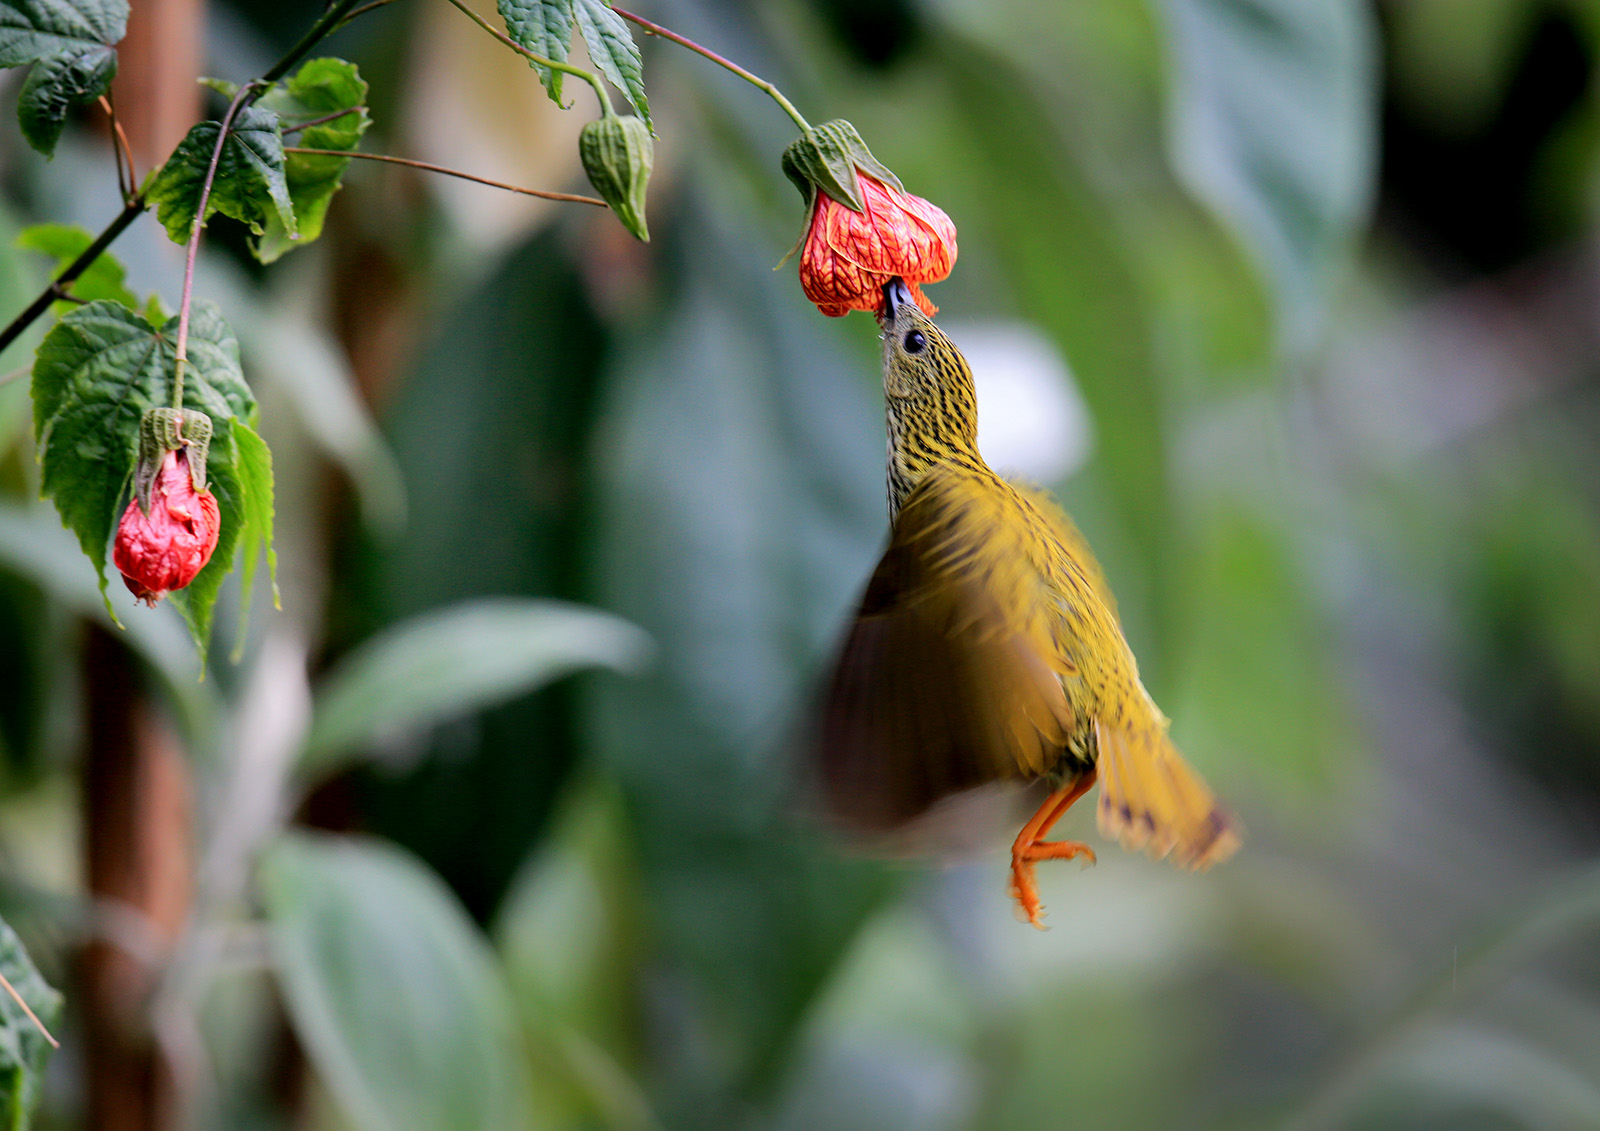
{"points": [[988, 647]]}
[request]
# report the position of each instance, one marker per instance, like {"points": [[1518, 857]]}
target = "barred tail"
{"points": [[1151, 799]]}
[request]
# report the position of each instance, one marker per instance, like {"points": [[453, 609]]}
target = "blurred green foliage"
{"points": [[1323, 274]]}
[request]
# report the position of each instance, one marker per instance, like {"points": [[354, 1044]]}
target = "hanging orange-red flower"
{"points": [[164, 549], [848, 256]]}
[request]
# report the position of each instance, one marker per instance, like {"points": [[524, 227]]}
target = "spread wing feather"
{"points": [[949, 677]]}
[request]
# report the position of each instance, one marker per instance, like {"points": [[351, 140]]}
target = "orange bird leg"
{"points": [[1029, 848]]}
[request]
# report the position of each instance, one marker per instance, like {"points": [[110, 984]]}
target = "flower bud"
{"points": [[618, 154], [864, 228], [170, 528]]}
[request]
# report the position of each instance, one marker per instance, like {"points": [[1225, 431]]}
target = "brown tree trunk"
{"points": [[139, 852]]}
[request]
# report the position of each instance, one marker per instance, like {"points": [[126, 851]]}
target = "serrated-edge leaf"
{"points": [[214, 357], [320, 87], [250, 182], [87, 444], [71, 44], [56, 85], [255, 474], [198, 601], [545, 28], [612, 49], [37, 29]]}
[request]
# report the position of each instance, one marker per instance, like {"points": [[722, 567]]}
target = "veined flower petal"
{"points": [[848, 256]]}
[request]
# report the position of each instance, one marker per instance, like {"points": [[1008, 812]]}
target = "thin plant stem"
{"points": [[363, 10], [121, 150], [752, 79], [32, 1016], [409, 163], [326, 24], [566, 68], [130, 212], [244, 96], [287, 130]]}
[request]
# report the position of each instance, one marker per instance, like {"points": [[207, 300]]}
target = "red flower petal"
{"points": [[848, 256], [165, 549]]}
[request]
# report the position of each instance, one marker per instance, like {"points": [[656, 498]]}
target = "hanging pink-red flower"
{"points": [[848, 256], [164, 549], [863, 227]]}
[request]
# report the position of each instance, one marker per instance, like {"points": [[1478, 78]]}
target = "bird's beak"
{"points": [[895, 295]]}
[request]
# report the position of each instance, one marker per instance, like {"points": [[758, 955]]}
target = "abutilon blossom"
{"points": [[164, 550], [848, 256]]}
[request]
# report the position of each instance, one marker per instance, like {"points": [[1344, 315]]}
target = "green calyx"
{"points": [[618, 154], [827, 157], [163, 430]]}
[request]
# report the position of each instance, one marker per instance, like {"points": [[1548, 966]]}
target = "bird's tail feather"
{"points": [[1151, 799]]}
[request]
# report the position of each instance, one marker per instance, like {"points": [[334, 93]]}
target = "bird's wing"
{"points": [[948, 678], [1077, 546]]}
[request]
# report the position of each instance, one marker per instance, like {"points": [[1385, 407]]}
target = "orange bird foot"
{"points": [[1022, 885], [1030, 847]]}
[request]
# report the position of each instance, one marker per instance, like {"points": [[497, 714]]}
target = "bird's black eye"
{"points": [[915, 341]]}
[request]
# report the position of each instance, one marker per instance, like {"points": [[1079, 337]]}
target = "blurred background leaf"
{"points": [[393, 991]]}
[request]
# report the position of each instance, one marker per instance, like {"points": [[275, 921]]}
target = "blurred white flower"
{"points": [[1032, 421]]}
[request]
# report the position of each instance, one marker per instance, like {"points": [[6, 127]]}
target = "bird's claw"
{"points": [[1023, 889]]}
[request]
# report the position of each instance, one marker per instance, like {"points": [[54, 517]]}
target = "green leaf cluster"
{"points": [[283, 198], [95, 374], [545, 28], [250, 184], [320, 88], [23, 1049], [71, 44]]}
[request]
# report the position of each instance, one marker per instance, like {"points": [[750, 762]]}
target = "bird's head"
{"points": [[922, 368]]}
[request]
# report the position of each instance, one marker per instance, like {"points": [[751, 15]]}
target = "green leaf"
{"points": [[255, 475], [545, 28], [1272, 118], [70, 43], [250, 185], [95, 373], [197, 601], [445, 663], [23, 1049], [611, 48], [103, 279], [320, 88], [391, 989], [568, 935], [55, 86]]}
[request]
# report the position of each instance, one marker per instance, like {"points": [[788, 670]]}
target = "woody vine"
{"points": [[147, 415]]}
